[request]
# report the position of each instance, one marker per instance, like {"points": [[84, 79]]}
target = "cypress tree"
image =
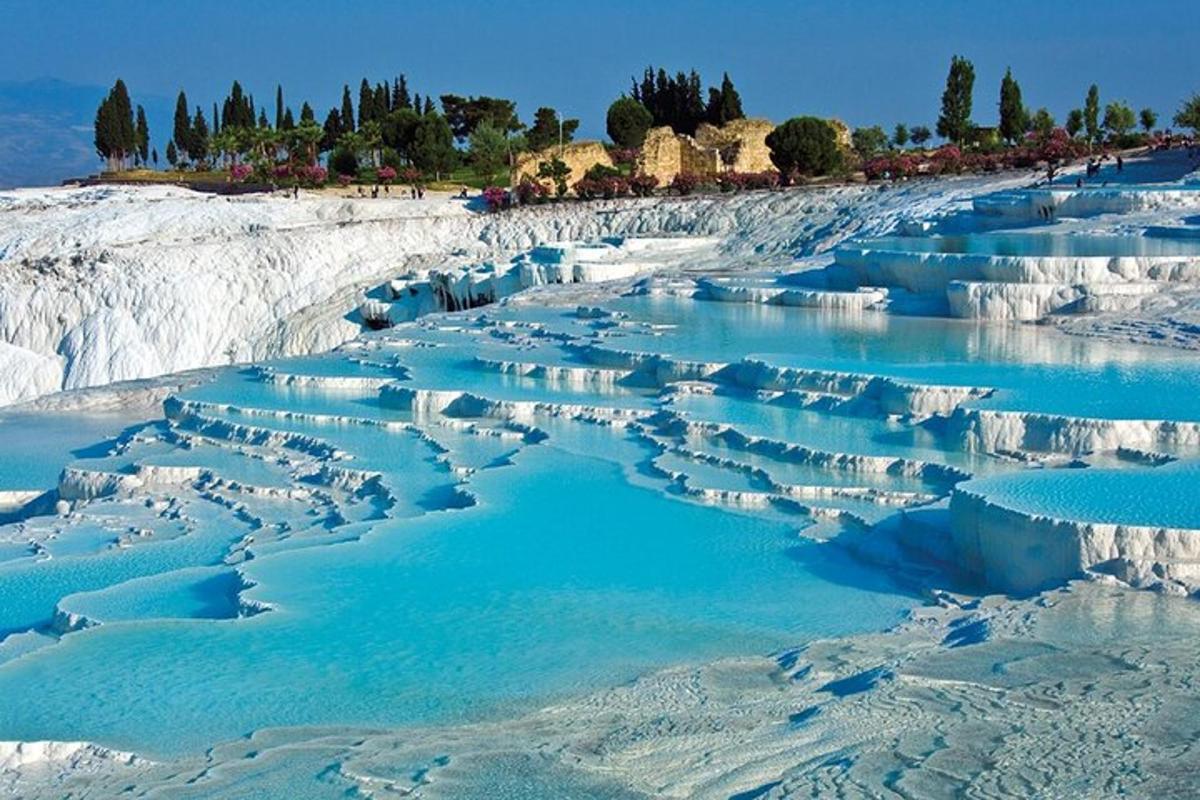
{"points": [[332, 128], [216, 119], [172, 153], [198, 137], [143, 136], [400, 97], [429, 109], [306, 113], [103, 135], [1012, 110], [262, 118], [366, 103], [288, 122], [1091, 114], [347, 111], [278, 106], [417, 102], [954, 123]]}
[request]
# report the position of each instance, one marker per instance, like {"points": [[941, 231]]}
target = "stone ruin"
{"points": [[578, 156], [738, 146]]}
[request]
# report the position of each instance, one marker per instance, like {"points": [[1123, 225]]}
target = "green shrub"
{"points": [[805, 146], [628, 120], [343, 161]]}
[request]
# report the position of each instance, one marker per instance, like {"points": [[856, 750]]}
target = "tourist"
{"points": [[1120, 164]]}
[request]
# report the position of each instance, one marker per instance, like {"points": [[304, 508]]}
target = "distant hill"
{"points": [[46, 130]]}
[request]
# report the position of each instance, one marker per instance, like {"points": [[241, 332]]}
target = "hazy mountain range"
{"points": [[46, 130]]}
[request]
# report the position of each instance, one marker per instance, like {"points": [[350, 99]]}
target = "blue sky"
{"points": [[866, 62]]}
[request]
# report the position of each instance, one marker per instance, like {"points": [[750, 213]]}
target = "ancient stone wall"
{"points": [[740, 146], [578, 156]]}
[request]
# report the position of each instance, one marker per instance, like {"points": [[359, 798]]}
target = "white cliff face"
{"points": [[111, 283]]}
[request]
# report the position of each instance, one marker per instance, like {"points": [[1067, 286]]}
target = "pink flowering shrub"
{"points": [[281, 171], [531, 191], [240, 172], [496, 198], [386, 174], [745, 181], [313, 174], [344, 180]]}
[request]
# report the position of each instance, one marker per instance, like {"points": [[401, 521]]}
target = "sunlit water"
{"points": [[475, 567]]}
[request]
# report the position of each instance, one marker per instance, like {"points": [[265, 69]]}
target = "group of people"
{"points": [[416, 192]]}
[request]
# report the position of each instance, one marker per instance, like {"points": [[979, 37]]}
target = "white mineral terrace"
{"points": [[769, 495]]}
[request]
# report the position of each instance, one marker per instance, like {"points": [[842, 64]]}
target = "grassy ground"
{"points": [[164, 176]]}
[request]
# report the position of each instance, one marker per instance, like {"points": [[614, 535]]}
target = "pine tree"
{"points": [[278, 106], [955, 120], [306, 113], [347, 111], [1012, 110], [143, 136]]}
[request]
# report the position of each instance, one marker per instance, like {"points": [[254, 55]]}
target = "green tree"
{"points": [[868, 141], [399, 130], [920, 135], [1013, 120], [724, 104], [488, 149], [1119, 119], [183, 126], [433, 146], [1091, 115], [556, 171], [216, 120], [1148, 119], [306, 113], [198, 137], [347, 114], [278, 106], [332, 128], [805, 146], [1188, 115], [288, 122], [400, 97], [900, 135], [366, 103], [172, 153], [1042, 123], [154, 157], [954, 123], [143, 135], [466, 113], [546, 129], [1074, 122], [627, 123]]}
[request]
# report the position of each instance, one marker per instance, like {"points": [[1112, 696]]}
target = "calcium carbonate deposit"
{"points": [[770, 495]]}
